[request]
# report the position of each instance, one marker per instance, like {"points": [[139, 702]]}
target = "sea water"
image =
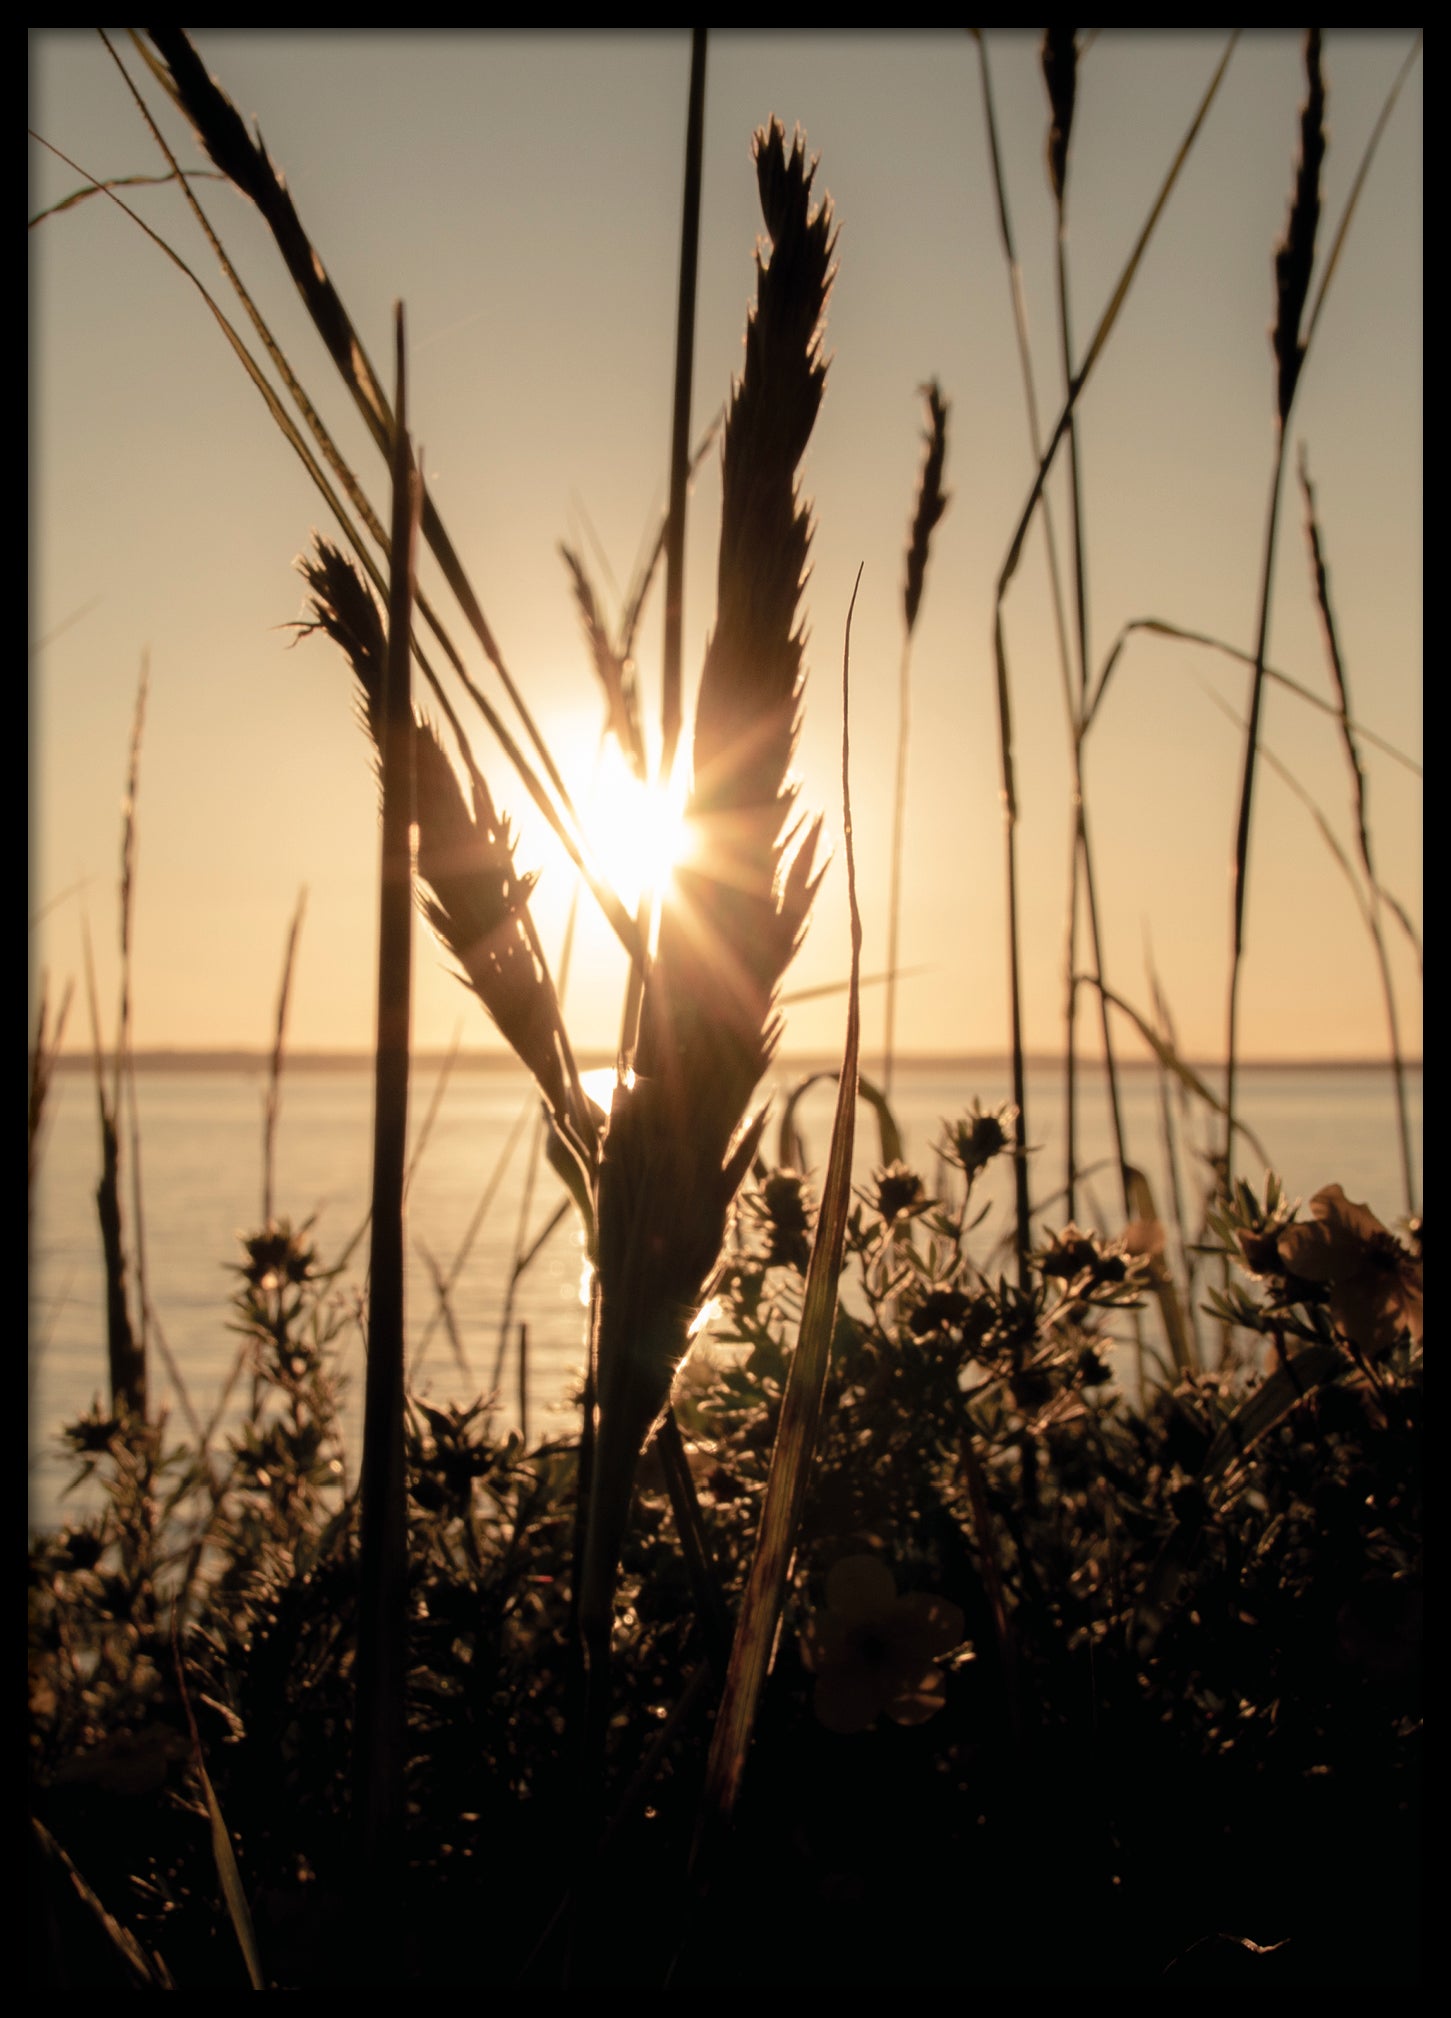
{"points": [[200, 1137]]}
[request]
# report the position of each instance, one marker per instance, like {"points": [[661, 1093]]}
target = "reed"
{"points": [[1076, 384], [379, 1739], [1294, 260], [1372, 899], [932, 502], [682, 1135]]}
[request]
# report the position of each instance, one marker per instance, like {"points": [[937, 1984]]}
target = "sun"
{"points": [[637, 831]]}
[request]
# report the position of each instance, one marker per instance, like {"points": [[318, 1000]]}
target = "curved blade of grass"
{"points": [[233, 1892], [1161, 1282], [143, 1970], [1164, 1051], [331, 321], [1287, 778], [1009, 569], [760, 1617], [1293, 264], [790, 1150], [274, 1070], [1158, 627], [1362, 825], [222, 132], [119, 182]]}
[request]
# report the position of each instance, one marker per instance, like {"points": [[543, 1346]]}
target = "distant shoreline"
{"points": [[505, 1061]]}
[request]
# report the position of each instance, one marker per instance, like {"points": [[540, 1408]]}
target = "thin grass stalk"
{"points": [[330, 318], [801, 1404], [223, 134], [1169, 1138], [932, 502], [233, 1891], [1070, 707], [680, 420], [1294, 261], [125, 1067], [1160, 628], [274, 1068], [522, 1254], [894, 899], [1025, 365], [523, 1385], [1060, 69], [1023, 1233], [1362, 827], [710, 1605], [126, 1363], [520, 1260], [431, 1112], [379, 1735], [1009, 569]]}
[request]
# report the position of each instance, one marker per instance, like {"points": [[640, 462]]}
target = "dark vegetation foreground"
{"points": [[1070, 1693]]}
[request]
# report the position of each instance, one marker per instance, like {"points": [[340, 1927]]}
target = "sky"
{"points": [[521, 193]]}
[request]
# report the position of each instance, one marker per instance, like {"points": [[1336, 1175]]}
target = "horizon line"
{"points": [[236, 1057]]}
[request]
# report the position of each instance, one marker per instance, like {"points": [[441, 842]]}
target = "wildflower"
{"points": [[973, 1142], [898, 1193], [1073, 1254], [872, 1651], [1374, 1283], [277, 1256]]}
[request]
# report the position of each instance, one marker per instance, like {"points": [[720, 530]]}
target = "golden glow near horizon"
{"points": [[521, 194]]}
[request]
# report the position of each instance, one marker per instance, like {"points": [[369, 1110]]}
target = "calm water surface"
{"points": [[201, 1168]]}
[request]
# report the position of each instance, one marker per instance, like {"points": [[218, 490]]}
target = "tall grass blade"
{"points": [[1362, 826], [561, 816], [1161, 1282], [932, 502], [223, 134], [1294, 259], [801, 1405], [233, 1890], [680, 420], [1009, 568], [274, 1068], [379, 1728], [73, 1918]]}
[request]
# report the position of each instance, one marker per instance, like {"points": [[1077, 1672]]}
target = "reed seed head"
{"points": [[1295, 255], [932, 500], [1060, 74]]}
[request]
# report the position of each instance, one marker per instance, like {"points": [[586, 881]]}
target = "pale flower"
{"points": [[873, 1652], [1374, 1282]]}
